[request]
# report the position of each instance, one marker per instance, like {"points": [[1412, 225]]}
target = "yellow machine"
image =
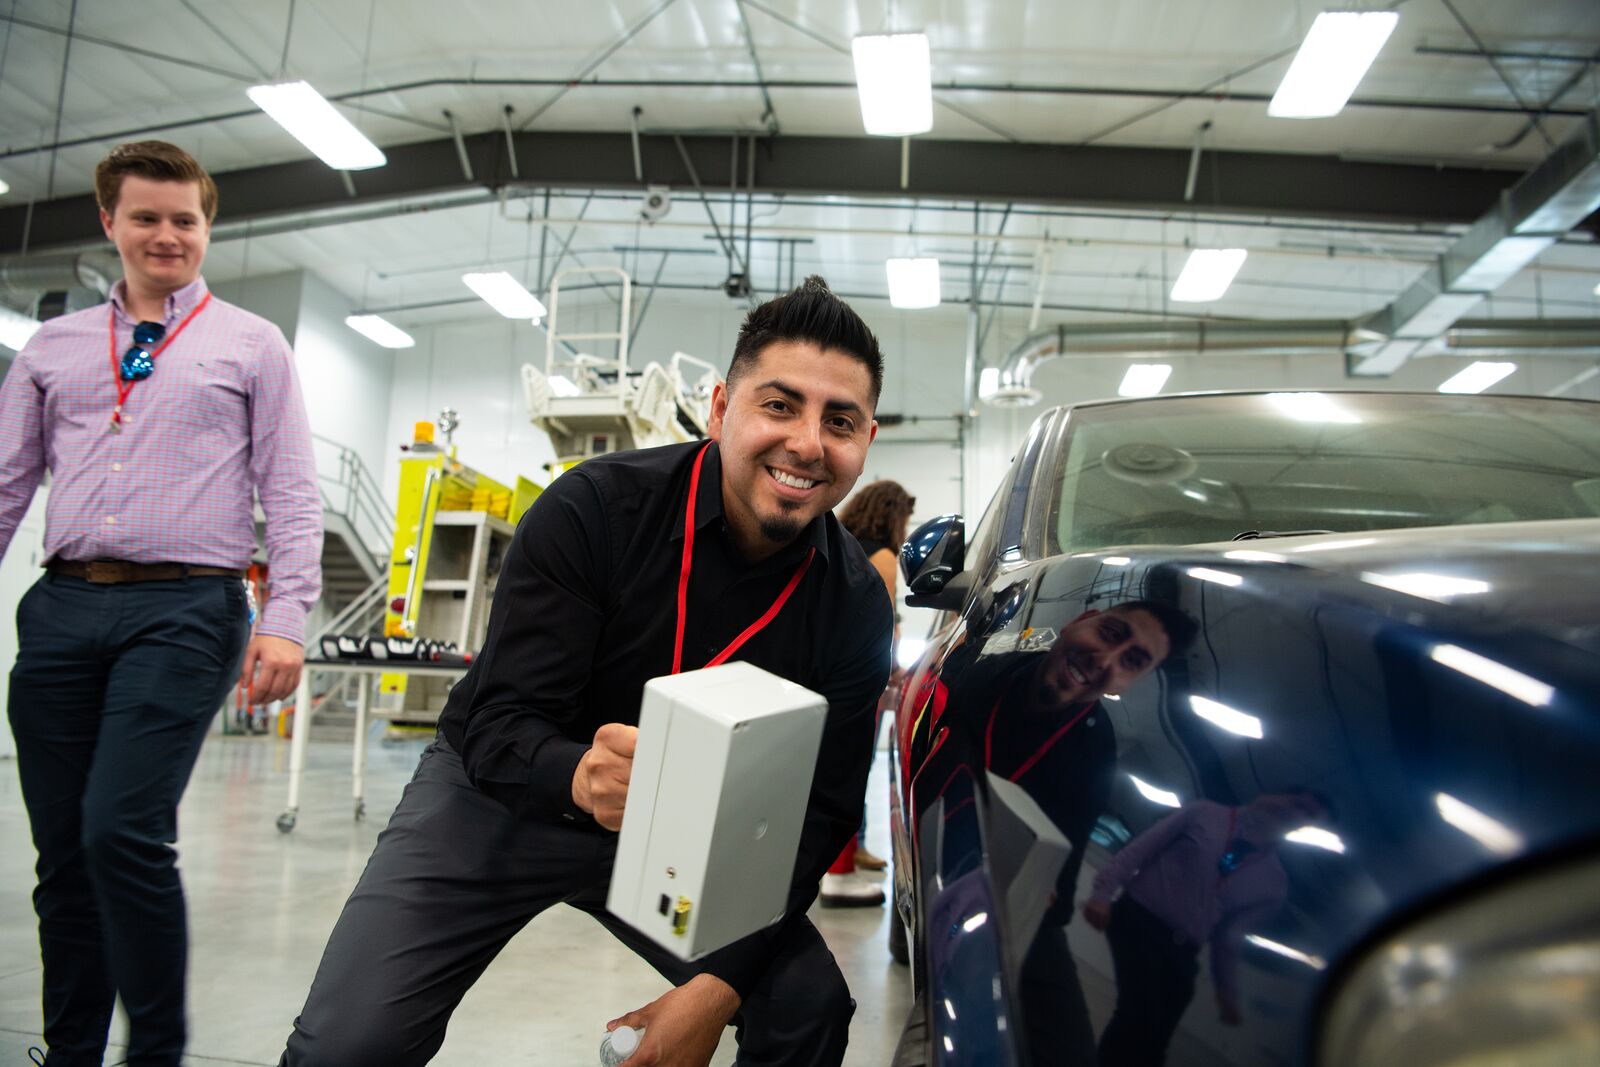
{"points": [[452, 525]]}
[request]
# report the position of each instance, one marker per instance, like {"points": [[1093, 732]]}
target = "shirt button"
{"points": [[116, 466], [111, 520]]}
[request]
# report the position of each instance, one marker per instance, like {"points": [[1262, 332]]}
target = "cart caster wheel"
{"points": [[361, 810], [286, 822]]}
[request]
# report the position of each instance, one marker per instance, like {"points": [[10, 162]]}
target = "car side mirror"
{"points": [[932, 560]]}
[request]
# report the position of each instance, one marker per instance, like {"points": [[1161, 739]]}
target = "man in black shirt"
{"points": [[514, 806]]}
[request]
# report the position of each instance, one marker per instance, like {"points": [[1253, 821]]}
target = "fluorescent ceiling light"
{"points": [[506, 295], [1316, 837], [895, 79], [1494, 675], [1427, 586], [1154, 793], [913, 283], [1230, 719], [1206, 574], [1331, 62], [312, 121], [1477, 378], [1490, 833], [561, 385], [1314, 962], [1207, 274], [1144, 379], [380, 330], [16, 328], [1311, 407]]}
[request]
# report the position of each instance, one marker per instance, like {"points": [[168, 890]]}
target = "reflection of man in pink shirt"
{"points": [[1207, 873]]}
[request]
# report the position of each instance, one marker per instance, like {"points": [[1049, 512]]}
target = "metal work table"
{"points": [[303, 715]]}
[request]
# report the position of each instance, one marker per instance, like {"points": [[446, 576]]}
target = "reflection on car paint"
{"points": [[1360, 726]]}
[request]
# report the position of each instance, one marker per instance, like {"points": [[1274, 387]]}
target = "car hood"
{"points": [[1537, 574]]}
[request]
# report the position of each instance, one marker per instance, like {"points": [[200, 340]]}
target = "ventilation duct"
{"points": [[23, 278], [1531, 216], [1013, 386]]}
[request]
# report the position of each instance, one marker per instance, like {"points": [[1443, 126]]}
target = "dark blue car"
{"points": [[1261, 728]]}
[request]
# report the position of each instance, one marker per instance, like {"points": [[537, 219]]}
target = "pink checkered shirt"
{"points": [[221, 416]]}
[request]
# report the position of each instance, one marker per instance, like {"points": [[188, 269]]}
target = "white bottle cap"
{"points": [[625, 1040]]}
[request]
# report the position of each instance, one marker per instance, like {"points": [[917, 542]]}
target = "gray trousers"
{"points": [[453, 878]]}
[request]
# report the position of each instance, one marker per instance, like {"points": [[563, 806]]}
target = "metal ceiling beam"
{"points": [[1257, 183]]}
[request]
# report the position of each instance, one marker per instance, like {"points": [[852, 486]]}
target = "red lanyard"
{"points": [[1038, 753], [683, 582], [126, 387]]}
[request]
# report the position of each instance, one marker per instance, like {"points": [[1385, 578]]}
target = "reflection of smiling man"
{"points": [[1102, 652]]}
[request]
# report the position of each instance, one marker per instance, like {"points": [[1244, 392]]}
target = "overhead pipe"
{"points": [[24, 277], [1288, 337]]}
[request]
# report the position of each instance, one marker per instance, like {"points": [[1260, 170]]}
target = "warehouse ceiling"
{"points": [[1062, 170]]}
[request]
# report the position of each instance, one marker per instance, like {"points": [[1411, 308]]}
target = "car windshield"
{"points": [[1187, 470]]}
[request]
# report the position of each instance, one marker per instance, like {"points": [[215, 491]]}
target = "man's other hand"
{"points": [[600, 784], [682, 1027], [271, 668], [1097, 913]]}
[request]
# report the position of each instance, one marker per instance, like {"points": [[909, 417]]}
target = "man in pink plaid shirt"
{"points": [[160, 416]]}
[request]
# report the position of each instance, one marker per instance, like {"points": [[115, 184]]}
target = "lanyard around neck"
{"points": [[683, 581], [126, 387]]}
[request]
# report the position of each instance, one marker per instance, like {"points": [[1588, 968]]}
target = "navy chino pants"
{"points": [[114, 689], [453, 878]]}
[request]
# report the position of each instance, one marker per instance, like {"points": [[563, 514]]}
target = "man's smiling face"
{"points": [[161, 233], [793, 431], [1100, 652]]}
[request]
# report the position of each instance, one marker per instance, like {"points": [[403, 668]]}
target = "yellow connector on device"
{"points": [[680, 917]]}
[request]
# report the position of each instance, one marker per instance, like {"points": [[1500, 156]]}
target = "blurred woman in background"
{"points": [[877, 515]]}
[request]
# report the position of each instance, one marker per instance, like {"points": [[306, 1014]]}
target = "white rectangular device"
{"points": [[721, 774]]}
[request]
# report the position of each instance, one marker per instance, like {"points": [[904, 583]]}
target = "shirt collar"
{"points": [[708, 512], [178, 304]]}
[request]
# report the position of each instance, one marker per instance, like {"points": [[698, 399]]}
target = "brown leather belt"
{"points": [[117, 571]]}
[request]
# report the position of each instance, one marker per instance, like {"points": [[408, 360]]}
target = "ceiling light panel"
{"points": [[894, 76], [314, 122], [1331, 62], [913, 283], [1207, 274], [1476, 378], [505, 294], [1144, 379], [380, 330]]}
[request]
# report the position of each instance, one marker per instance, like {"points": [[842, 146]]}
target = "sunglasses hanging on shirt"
{"points": [[137, 361], [150, 339]]}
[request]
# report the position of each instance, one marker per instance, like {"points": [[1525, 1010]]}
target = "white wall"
{"points": [[472, 366], [345, 378]]}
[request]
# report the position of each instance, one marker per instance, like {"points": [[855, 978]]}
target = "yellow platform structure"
{"points": [[453, 525]]}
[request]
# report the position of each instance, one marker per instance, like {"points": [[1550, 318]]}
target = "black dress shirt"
{"points": [[585, 613]]}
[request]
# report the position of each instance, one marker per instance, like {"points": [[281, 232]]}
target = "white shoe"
{"points": [[849, 891]]}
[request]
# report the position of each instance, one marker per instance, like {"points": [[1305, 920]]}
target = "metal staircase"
{"points": [[358, 535], [358, 525]]}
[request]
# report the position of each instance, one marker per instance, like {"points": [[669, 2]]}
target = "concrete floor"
{"points": [[261, 905]]}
